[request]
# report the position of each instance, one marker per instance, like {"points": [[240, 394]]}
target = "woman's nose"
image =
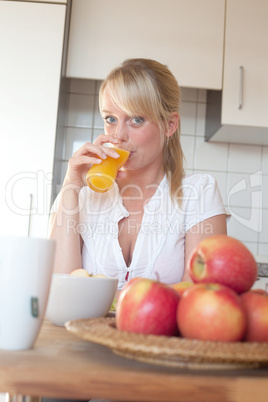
{"points": [[121, 132]]}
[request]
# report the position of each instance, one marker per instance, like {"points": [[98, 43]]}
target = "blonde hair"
{"points": [[147, 87]]}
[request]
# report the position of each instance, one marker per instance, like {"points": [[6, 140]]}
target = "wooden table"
{"points": [[63, 366]]}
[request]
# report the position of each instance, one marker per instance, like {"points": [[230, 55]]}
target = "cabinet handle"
{"points": [[241, 86], [30, 215]]}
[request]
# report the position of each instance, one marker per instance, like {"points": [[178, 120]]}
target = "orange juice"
{"points": [[101, 177]]}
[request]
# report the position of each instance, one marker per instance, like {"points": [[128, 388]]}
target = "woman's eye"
{"points": [[110, 119], [137, 120]]}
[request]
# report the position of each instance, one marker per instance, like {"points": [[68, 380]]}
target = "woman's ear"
{"points": [[173, 124]]}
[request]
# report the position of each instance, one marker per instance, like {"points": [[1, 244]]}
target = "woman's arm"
{"points": [[63, 225], [211, 226], [63, 229]]}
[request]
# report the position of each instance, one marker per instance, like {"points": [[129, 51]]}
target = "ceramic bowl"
{"points": [[72, 297]]}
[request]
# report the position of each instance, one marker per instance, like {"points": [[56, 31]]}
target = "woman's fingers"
{"points": [[84, 160], [104, 139], [90, 150], [94, 150], [88, 155]]}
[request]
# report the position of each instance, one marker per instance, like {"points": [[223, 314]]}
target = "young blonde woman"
{"points": [[150, 221]]}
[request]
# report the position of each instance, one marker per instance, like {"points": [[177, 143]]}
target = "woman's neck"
{"points": [[141, 178], [140, 185]]}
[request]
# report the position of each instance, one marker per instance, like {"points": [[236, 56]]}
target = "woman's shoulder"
{"points": [[198, 179]]}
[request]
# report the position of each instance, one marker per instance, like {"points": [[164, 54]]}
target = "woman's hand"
{"points": [[85, 157]]}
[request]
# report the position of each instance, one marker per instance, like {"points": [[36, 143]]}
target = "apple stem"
{"points": [[157, 276]]}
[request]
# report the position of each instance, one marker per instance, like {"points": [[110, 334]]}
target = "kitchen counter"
{"points": [[262, 279], [262, 262], [63, 366], [263, 269]]}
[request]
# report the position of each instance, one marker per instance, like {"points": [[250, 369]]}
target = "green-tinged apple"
{"points": [[211, 312], [225, 260], [255, 302], [147, 307], [180, 287]]}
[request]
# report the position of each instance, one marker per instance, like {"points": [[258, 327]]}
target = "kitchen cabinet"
{"points": [[243, 104], [47, 1], [31, 47], [186, 35], [245, 100]]}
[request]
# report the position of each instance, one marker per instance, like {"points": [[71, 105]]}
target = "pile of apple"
{"points": [[218, 306]]}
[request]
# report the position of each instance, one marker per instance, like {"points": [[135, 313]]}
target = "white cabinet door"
{"points": [[246, 52], [31, 42], [186, 35]]}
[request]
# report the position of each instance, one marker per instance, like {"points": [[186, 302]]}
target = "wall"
{"points": [[241, 170]]}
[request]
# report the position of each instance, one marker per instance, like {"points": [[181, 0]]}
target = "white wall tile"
{"points": [[98, 120], [75, 138], [188, 117], [96, 133], [265, 192], [189, 94], [244, 224], [210, 156], [265, 159], [188, 144], [64, 168], [244, 158], [80, 110], [244, 190], [262, 249], [98, 85], [188, 172], [81, 86], [263, 237], [201, 119], [202, 95]]}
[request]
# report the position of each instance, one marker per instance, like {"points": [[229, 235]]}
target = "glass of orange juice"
{"points": [[101, 177]]}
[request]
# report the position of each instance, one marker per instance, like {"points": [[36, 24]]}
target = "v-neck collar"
{"points": [[121, 212]]}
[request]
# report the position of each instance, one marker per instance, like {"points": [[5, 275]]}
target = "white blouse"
{"points": [[159, 248]]}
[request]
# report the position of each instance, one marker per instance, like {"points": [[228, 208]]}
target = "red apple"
{"points": [[260, 291], [211, 312], [256, 306], [180, 287], [225, 260], [147, 307]]}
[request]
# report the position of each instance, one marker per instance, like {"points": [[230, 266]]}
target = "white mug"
{"points": [[26, 266]]}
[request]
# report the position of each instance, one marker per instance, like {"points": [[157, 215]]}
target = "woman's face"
{"points": [[136, 134]]}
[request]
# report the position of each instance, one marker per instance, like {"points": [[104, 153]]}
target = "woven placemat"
{"points": [[171, 351]]}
